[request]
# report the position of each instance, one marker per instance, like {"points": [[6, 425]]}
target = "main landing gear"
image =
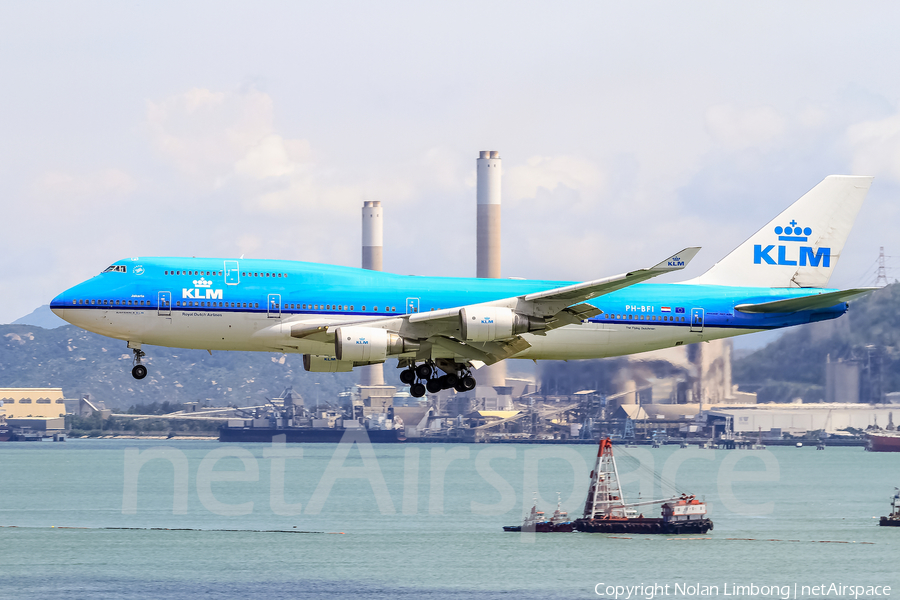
{"points": [[424, 377], [138, 371]]}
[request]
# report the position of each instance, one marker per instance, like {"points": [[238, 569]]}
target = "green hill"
{"points": [[794, 365]]}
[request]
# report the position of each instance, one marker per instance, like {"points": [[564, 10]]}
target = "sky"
{"points": [[627, 131]]}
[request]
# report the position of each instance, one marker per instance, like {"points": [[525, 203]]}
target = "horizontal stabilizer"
{"points": [[814, 302]]}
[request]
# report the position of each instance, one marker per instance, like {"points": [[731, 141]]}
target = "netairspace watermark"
{"points": [[368, 472], [649, 591]]}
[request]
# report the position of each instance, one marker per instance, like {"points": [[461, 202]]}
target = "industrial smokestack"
{"points": [[372, 235], [488, 226], [372, 252], [488, 241]]}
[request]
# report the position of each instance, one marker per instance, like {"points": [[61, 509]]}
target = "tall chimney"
{"points": [[488, 242], [488, 228], [372, 235], [372, 252]]}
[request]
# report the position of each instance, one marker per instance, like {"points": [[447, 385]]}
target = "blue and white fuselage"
{"points": [[197, 303], [341, 317]]}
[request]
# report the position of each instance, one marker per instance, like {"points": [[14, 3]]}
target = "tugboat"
{"points": [[559, 522], [605, 511], [893, 519]]}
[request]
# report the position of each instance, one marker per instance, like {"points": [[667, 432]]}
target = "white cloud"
{"points": [[547, 173], [875, 146], [740, 128], [272, 157], [211, 136]]}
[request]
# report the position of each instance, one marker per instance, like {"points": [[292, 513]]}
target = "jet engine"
{"points": [[489, 323], [326, 364], [369, 344]]}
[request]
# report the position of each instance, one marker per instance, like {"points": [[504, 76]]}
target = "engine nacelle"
{"points": [[369, 344], [489, 323], [326, 364]]}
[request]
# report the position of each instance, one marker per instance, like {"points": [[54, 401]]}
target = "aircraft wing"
{"points": [[552, 301], [548, 309], [816, 301]]}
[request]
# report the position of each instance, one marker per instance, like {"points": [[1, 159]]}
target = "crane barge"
{"points": [[605, 510]]}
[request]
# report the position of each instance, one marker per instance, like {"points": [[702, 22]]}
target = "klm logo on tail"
{"points": [[804, 256]]}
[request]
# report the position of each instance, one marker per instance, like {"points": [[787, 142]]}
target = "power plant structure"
{"points": [[492, 391], [492, 379], [372, 259], [489, 172], [375, 395]]}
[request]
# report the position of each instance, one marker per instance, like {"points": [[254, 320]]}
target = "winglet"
{"points": [[677, 261]]}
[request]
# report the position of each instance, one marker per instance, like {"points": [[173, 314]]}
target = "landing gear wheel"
{"points": [[450, 380], [434, 385], [407, 376], [469, 382], [424, 371], [459, 387], [417, 390], [138, 371]]}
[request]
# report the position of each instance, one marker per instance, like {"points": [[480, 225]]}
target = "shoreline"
{"points": [[145, 437]]}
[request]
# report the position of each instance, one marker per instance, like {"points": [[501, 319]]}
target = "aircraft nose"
{"points": [[58, 305]]}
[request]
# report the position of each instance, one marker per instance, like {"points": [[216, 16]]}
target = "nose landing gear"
{"points": [[138, 371], [422, 378]]}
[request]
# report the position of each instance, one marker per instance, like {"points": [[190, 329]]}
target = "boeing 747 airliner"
{"points": [[441, 328]]}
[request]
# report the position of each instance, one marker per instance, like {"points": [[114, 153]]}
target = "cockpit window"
{"points": [[116, 268]]}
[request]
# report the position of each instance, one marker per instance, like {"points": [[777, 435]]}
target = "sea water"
{"points": [[182, 519]]}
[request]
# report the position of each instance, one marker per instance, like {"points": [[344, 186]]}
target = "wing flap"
{"points": [[489, 353], [814, 302]]}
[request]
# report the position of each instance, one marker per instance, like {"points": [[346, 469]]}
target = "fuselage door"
{"points": [[274, 306], [232, 272], [696, 319], [412, 305], [164, 304]]}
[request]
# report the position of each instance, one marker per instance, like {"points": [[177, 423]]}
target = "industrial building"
{"points": [[38, 409], [798, 419]]}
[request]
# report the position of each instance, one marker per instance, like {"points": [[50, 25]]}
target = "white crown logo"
{"points": [[202, 283]]}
